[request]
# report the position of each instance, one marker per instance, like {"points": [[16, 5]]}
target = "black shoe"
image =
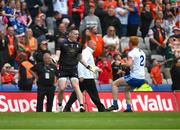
{"points": [[128, 110], [67, 110], [82, 109], [111, 108]]}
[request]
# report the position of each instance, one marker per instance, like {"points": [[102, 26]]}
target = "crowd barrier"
{"points": [[141, 101], [103, 87]]}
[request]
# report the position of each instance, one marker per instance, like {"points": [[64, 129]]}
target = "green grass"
{"points": [[86, 120]]}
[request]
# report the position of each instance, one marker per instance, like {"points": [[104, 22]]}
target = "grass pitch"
{"points": [[76, 120]]}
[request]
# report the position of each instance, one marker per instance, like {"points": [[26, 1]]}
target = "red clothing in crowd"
{"points": [[106, 75], [79, 9], [156, 74], [99, 44], [154, 7], [109, 3], [7, 78]]}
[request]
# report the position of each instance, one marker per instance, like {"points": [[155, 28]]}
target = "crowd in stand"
{"points": [[28, 26]]}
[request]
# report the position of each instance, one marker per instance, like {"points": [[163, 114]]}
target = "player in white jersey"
{"points": [[136, 62]]}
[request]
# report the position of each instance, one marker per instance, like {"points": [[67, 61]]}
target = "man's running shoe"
{"points": [[82, 109], [111, 108], [128, 110]]}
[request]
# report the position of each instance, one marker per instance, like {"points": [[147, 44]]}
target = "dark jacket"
{"points": [[38, 55], [30, 4], [153, 46], [146, 19], [111, 21], [6, 52]]}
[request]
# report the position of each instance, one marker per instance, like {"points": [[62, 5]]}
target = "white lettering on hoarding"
{"points": [[139, 103]]}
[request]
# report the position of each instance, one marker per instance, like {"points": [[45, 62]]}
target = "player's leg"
{"points": [[128, 98], [75, 84], [119, 82], [62, 85], [73, 98]]}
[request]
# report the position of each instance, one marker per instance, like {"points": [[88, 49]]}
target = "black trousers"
{"points": [[25, 84], [90, 86], [41, 93]]}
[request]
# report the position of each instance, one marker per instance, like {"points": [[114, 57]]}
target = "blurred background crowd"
{"points": [[31, 26]]}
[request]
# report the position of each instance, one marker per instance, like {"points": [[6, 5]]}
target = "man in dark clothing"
{"points": [[33, 7], [38, 28], [11, 45], [146, 19], [38, 55], [87, 79], [100, 12], [157, 37], [69, 54], [175, 74], [25, 77], [111, 20], [45, 73]]}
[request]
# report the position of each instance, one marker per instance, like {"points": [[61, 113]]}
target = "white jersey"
{"points": [[137, 69]]}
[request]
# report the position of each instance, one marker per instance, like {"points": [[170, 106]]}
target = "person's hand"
{"points": [[36, 6], [74, 9], [117, 62], [94, 69], [54, 59], [81, 79]]}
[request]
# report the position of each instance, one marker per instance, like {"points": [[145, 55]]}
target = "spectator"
{"points": [[101, 12], [7, 74], [31, 41], [33, 7], [38, 55], [91, 20], [175, 74], [157, 37], [61, 6], [106, 74], [171, 23], [167, 11], [111, 20], [99, 42], [11, 43], [25, 77], [111, 41], [146, 20], [164, 23], [49, 14], [86, 33], [38, 28], [60, 34], [156, 74], [133, 18], [25, 17], [59, 17], [155, 6], [2, 49], [122, 15], [112, 3], [77, 12]]}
